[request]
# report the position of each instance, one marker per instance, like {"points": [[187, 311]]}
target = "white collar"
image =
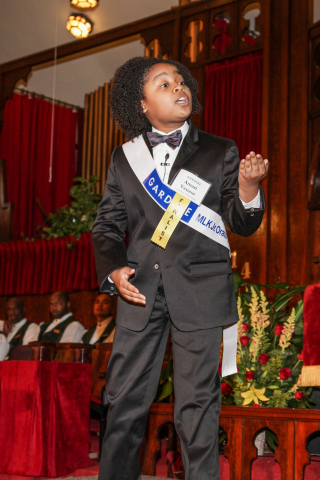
{"points": [[105, 322], [19, 324], [184, 130], [59, 320]]}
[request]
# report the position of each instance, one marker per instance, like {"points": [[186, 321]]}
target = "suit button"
{"points": [[111, 288], [251, 209], [111, 294], [156, 266]]}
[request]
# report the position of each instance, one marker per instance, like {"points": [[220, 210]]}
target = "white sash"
{"points": [[200, 218]]}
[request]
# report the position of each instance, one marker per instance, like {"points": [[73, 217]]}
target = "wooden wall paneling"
{"points": [[100, 126], [263, 230], [110, 134], [105, 123], [314, 150], [95, 133], [277, 141], [89, 142], [298, 256], [314, 70], [230, 11], [85, 135]]}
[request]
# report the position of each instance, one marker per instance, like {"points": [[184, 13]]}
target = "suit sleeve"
{"points": [[241, 221], [108, 231]]}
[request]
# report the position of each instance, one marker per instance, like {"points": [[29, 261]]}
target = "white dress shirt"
{"points": [[4, 346], [72, 334], [100, 327], [31, 335]]}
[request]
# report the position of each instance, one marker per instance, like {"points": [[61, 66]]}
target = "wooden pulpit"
{"points": [[6, 209]]}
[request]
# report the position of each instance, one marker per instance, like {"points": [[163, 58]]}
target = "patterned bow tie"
{"points": [[173, 140]]}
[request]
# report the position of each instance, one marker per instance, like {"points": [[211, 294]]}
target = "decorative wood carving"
{"points": [[6, 209], [292, 427]]}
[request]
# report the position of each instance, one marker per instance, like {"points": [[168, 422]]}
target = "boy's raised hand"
{"points": [[251, 171], [130, 293]]}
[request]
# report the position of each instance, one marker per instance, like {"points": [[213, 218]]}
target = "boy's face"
{"points": [[167, 100]]}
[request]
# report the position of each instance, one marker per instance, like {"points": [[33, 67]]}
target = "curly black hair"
{"points": [[127, 92]]}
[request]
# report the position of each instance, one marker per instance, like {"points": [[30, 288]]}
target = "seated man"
{"points": [[103, 331], [17, 329], [63, 328]]}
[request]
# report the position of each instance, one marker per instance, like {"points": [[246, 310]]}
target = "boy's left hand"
{"points": [[251, 171]]}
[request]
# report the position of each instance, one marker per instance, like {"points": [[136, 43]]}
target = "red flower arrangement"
{"points": [[264, 358], [226, 389], [269, 345], [285, 373], [249, 376], [244, 340], [278, 329]]}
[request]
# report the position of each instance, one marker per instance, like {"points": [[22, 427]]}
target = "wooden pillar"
{"points": [[277, 140], [287, 142], [298, 259]]}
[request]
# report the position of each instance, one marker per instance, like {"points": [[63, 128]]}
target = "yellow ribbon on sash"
{"points": [[170, 220]]}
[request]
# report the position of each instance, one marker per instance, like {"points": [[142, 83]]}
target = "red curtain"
{"points": [[25, 144], [44, 417], [45, 266], [233, 100]]}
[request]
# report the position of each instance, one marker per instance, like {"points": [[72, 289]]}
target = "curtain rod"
{"points": [[43, 97]]}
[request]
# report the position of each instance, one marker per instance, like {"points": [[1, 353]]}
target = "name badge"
{"points": [[191, 186]]}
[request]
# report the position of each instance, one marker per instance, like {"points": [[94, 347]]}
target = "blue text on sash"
{"points": [[163, 194], [211, 225]]}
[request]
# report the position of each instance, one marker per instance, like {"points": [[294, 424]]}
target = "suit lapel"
{"points": [[187, 149]]}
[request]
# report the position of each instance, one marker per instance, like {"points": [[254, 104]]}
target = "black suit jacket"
{"points": [[196, 271]]}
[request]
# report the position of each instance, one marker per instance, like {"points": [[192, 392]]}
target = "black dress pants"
{"points": [[131, 385]]}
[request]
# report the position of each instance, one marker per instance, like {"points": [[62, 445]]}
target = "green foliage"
{"points": [[271, 439], [166, 381], [79, 217], [269, 345]]}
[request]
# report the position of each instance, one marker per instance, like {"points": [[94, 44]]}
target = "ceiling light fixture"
{"points": [[84, 3], [79, 25]]}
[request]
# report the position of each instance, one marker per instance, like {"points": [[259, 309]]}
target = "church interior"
{"points": [[257, 64]]}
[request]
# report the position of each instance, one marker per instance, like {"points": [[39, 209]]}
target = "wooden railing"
{"points": [[293, 427]]}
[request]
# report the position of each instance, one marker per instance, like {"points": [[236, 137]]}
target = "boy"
{"points": [[181, 280]]}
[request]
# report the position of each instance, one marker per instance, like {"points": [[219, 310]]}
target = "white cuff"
{"points": [[112, 281], [255, 203]]}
